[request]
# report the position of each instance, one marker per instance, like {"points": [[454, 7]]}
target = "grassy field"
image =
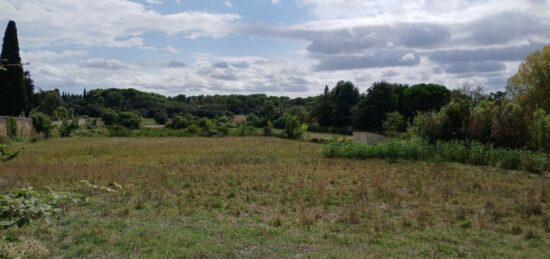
{"points": [[266, 197]]}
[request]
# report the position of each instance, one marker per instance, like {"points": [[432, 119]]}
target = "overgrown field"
{"points": [[266, 197]]}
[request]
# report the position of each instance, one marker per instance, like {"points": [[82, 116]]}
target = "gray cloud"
{"points": [[174, 64], [375, 60], [471, 67], [222, 64], [511, 53], [110, 64]]}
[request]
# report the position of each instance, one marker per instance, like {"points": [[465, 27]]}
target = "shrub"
{"points": [[68, 128], [11, 127], [161, 117], [294, 128], [42, 123], [268, 130], [394, 123], [61, 113], [178, 122], [129, 120], [109, 116]]}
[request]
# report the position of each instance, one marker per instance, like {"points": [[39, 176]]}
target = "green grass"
{"points": [[266, 197], [466, 153]]}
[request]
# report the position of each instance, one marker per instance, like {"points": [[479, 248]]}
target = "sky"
{"points": [[277, 47]]}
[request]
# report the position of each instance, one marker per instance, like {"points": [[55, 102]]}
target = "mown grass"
{"points": [[266, 197], [460, 152]]}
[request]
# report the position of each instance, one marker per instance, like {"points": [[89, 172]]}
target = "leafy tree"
{"points": [[49, 101], [346, 95], [381, 99], [531, 85], [13, 99], [426, 126], [455, 119], [481, 119], [509, 127], [539, 131], [425, 98]]}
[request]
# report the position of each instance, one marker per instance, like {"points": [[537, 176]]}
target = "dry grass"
{"points": [[263, 197]]}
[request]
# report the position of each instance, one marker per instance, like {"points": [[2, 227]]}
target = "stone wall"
{"points": [[367, 138], [24, 127]]}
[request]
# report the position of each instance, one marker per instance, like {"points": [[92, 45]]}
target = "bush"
{"points": [[11, 127], [293, 127], [42, 123], [268, 130], [129, 120], [455, 151], [394, 123], [61, 113], [161, 117], [178, 122], [109, 116], [68, 128]]}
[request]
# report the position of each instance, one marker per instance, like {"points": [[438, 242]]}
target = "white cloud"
{"points": [[112, 23]]}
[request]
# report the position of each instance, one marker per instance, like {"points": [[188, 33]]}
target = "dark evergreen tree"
{"points": [[13, 99], [381, 99], [323, 109], [29, 91], [346, 95]]}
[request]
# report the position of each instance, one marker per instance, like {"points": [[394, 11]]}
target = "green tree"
{"points": [[29, 91], [323, 109], [49, 101], [531, 85], [539, 131], [425, 98], [346, 95], [381, 99], [13, 99]]}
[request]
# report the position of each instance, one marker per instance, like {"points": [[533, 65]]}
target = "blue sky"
{"points": [[284, 47]]}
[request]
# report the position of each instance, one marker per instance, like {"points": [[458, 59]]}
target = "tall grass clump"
{"points": [[460, 152]]}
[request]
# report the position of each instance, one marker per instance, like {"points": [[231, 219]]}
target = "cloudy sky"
{"points": [[278, 47]]}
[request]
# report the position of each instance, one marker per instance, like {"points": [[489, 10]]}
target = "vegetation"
{"points": [[13, 97], [268, 197], [468, 153], [25, 205], [6, 155]]}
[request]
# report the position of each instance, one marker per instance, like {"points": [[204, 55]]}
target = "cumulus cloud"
{"points": [[112, 23]]}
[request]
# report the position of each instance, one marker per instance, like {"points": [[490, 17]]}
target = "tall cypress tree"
{"points": [[13, 99]]}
